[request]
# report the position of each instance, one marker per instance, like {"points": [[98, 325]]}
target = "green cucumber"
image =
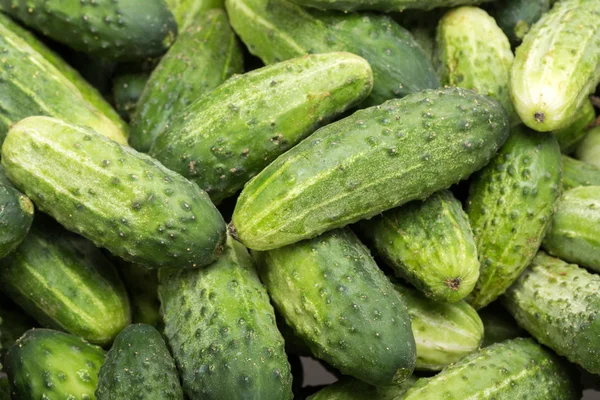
{"points": [[52, 365], [518, 368], [142, 286], [574, 234], [16, 216], [221, 328], [224, 139], [588, 149], [430, 244], [570, 136], [499, 325], [510, 205], [186, 11], [127, 89], [578, 173], [336, 299], [557, 65], [558, 304], [280, 30], [114, 29], [372, 161], [383, 5], [139, 363], [120, 199], [204, 55], [515, 17], [352, 389]]}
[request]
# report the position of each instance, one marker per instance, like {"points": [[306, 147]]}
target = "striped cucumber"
{"points": [[578, 173], [589, 148], [570, 136], [352, 389], [383, 5], [515, 17]]}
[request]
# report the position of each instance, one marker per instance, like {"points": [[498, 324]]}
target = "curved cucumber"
{"points": [[589, 148], [499, 325], [352, 389], [186, 11], [383, 5], [578, 173], [127, 89], [569, 136], [515, 17], [16, 216]]}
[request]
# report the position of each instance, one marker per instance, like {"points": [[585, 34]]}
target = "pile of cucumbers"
{"points": [[196, 193]]}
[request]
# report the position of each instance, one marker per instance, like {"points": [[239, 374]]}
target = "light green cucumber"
{"points": [[588, 149], [499, 325], [383, 5], [186, 11], [142, 285], [570, 136], [352, 389], [515, 17], [578, 173]]}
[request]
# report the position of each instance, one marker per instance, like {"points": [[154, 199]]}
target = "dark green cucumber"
{"points": [[114, 29], [515, 17], [221, 328], [499, 325], [515, 369], [558, 304], [430, 244], [139, 363], [127, 89], [204, 55], [588, 149], [372, 161], [186, 11], [574, 234], [570, 136], [336, 299], [120, 199], [279, 30], [352, 389], [52, 365], [383, 5], [142, 286], [578, 173], [224, 139], [16, 215], [15, 322], [510, 205]]}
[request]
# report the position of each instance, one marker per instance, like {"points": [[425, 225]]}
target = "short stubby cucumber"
{"points": [[515, 17], [510, 205], [499, 325], [352, 389], [113, 29], [570, 136], [52, 365], [557, 65], [204, 56], [16, 216], [383, 5], [127, 89], [335, 298], [139, 362], [118, 198], [515, 369], [142, 286], [186, 11], [372, 161], [221, 329], [223, 140], [429, 243], [574, 234], [578, 173], [588, 149], [558, 304]]}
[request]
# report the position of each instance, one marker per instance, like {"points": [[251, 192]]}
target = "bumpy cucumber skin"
{"points": [[47, 364], [574, 233], [186, 11], [336, 299], [589, 148], [127, 89], [205, 54], [478, 59], [352, 389], [30, 84], [120, 199], [572, 134], [578, 173], [515, 17], [139, 362], [510, 204], [498, 325], [383, 5], [223, 140], [558, 304], [372, 161], [277, 30], [114, 29], [557, 65], [515, 369], [142, 286], [16, 216], [430, 244], [221, 328]]}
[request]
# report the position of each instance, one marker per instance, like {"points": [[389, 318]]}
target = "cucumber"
{"points": [[558, 304], [588, 149], [142, 286], [114, 29], [139, 363], [515, 17], [570, 136], [574, 234], [352, 389], [372, 161], [510, 204], [557, 65], [475, 58], [224, 139], [221, 328], [39, 83], [16, 216], [204, 55], [499, 325], [127, 89], [279, 30], [383, 5], [518, 368], [186, 11], [15, 322], [336, 299], [578, 173], [120, 199], [430, 244]]}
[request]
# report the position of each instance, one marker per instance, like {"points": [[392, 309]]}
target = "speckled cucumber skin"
{"points": [[515, 17], [16, 216], [139, 365], [570, 136], [558, 304], [429, 243], [205, 54], [499, 325], [352, 389], [372, 161], [186, 11], [31, 84], [222, 332], [588, 149], [142, 286], [515, 369], [223, 140], [118, 198], [510, 204], [383, 5], [114, 29], [52, 365], [126, 90], [574, 233], [276, 30], [557, 65], [578, 173], [332, 294], [478, 59]]}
